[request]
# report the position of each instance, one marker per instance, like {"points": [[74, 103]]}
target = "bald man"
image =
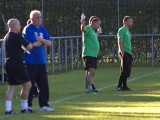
{"points": [[15, 68]]}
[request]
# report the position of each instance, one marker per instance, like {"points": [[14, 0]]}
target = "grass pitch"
{"points": [[71, 103]]}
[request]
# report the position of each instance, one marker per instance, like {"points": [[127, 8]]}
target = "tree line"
{"points": [[62, 17]]}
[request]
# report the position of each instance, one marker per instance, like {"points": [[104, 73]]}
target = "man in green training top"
{"points": [[125, 53], [90, 50]]}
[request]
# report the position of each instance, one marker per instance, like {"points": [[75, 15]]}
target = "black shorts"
{"points": [[89, 62], [126, 64], [17, 74]]}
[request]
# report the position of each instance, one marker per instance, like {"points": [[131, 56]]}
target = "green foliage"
{"points": [[62, 17]]}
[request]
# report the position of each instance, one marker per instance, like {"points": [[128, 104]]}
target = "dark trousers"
{"points": [[125, 69], [38, 75]]}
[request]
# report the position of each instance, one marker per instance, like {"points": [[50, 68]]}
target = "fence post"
{"points": [[59, 54], [66, 66], [71, 45], [118, 13], [152, 50], [2, 59], [52, 55], [77, 53]]}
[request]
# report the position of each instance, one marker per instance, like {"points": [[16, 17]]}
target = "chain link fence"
{"points": [[62, 17]]}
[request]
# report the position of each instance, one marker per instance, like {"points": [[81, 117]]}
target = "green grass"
{"points": [[68, 98]]}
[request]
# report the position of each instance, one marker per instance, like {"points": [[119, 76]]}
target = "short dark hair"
{"points": [[126, 18], [94, 19], [91, 18]]}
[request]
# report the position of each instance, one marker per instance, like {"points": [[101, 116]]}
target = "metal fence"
{"points": [[65, 52], [2, 60]]}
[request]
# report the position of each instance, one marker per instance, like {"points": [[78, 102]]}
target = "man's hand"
{"points": [[121, 55], [43, 41], [82, 21]]}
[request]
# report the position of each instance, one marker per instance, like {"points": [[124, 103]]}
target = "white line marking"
{"points": [[100, 89], [133, 79], [67, 98]]}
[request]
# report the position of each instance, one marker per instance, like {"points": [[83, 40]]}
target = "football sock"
{"points": [[90, 87], [8, 105], [24, 104]]}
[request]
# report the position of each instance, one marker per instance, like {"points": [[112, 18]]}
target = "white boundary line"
{"points": [[133, 79], [100, 89]]}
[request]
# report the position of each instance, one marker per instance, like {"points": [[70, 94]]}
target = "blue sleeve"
{"points": [[28, 35]]}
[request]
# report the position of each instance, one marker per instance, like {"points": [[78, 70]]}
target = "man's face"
{"points": [[17, 26], [37, 19], [96, 25], [130, 23]]}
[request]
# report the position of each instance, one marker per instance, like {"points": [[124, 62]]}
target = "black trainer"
{"points": [[94, 88], [27, 111], [126, 88], [10, 112], [119, 89]]}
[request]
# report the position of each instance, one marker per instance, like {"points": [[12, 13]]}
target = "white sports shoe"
{"points": [[46, 108]]}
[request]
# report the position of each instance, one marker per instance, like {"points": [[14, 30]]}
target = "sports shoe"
{"points": [[88, 91], [46, 108], [94, 88], [119, 89], [27, 111], [126, 89], [10, 112]]}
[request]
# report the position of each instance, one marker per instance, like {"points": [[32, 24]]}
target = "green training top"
{"points": [[90, 42], [125, 36]]}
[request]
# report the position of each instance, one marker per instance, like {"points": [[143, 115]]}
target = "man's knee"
{"points": [[92, 71], [27, 85]]}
